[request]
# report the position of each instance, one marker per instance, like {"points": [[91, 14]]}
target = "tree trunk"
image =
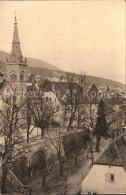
{"points": [[64, 117], [4, 179], [98, 143], [43, 181], [75, 159], [70, 123], [30, 171], [42, 133], [61, 167], [28, 136]]}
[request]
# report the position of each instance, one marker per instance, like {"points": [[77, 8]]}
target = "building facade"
{"points": [[108, 173]]}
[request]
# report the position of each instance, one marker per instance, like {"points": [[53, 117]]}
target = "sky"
{"points": [[77, 36]]}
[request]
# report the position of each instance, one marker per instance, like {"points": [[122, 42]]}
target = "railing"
{"points": [[24, 190], [17, 186]]}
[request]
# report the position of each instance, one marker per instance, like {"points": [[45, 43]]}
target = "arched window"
{"points": [[22, 75], [13, 75]]}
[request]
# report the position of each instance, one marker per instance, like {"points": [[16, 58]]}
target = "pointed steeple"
{"points": [[16, 64], [16, 54], [15, 35]]}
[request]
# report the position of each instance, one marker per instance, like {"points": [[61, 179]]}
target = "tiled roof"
{"points": [[121, 145], [115, 154], [93, 88], [60, 87]]}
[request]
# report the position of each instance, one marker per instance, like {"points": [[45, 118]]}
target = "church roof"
{"points": [[16, 49], [16, 54], [115, 154]]}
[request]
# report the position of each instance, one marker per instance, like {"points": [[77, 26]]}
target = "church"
{"points": [[16, 70]]}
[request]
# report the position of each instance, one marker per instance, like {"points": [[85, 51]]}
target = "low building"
{"points": [[108, 173]]}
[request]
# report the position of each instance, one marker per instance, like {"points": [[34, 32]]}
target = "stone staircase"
{"points": [[17, 187]]}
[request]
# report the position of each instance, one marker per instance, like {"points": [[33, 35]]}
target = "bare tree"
{"points": [[80, 116], [75, 149], [57, 144], [29, 119], [11, 122], [91, 114], [42, 111], [46, 170], [74, 96], [44, 165], [66, 186]]}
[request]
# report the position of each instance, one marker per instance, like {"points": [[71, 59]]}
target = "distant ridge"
{"points": [[40, 67], [31, 61]]}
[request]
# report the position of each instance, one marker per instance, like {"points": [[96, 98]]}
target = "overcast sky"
{"points": [[75, 36]]}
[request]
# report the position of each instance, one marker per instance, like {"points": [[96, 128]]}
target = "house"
{"points": [[108, 173]]}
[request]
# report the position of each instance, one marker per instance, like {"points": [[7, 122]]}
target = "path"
{"points": [[74, 181]]}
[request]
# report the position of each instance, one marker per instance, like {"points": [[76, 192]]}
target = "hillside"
{"points": [[39, 67], [31, 61]]}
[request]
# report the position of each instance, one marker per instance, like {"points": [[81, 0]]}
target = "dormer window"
{"points": [[13, 75]]}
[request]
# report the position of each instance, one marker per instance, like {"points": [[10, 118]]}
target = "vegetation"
{"points": [[73, 97], [40, 112], [11, 122], [40, 162], [59, 150], [102, 125]]}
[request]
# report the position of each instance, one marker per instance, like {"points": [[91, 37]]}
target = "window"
{"points": [[46, 99], [13, 75], [109, 177], [22, 76], [112, 177]]}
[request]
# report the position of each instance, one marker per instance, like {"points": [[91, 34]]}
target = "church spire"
{"points": [[15, 35], [16, 54], [16, 65]]}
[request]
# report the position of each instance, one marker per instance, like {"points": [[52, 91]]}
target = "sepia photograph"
{"points": [[62, 97]]}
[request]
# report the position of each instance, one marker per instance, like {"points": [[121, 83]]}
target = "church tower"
{"points": [[16, 64]]}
